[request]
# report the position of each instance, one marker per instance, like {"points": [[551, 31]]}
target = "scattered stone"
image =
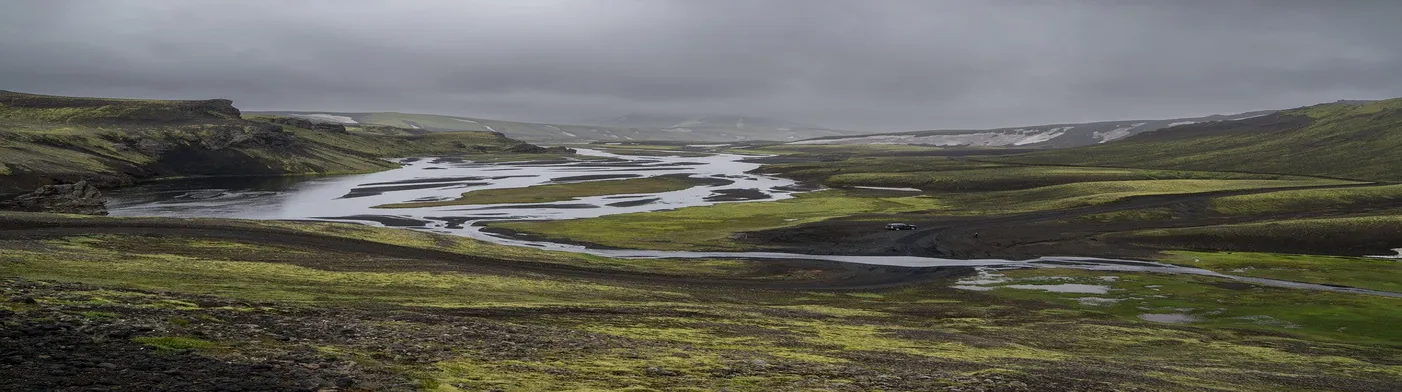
{"points": [[77, 198], [20, 299]]}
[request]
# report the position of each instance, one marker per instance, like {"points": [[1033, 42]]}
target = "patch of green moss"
{"points": [[176, 343], [96, 315], [1310, 200], [1139, 215], [176, 304], [616, 370], [1209, 301], [1083, 194], [714, 226], [1361, 272]]}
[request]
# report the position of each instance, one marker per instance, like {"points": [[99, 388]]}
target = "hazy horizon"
{"points": [[859, 65]]}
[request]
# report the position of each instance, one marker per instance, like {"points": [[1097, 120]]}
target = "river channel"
{"points": [[352, 198]]}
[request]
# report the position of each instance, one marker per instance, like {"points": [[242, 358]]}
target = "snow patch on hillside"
{"points": [[328, 117], [1170, 125], [465, 120], [568, 134], [1253, 116], [1115, 134], [489, 127], [1041, 137], [689, 123], [1015, 137]]}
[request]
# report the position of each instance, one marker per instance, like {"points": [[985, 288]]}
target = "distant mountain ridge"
{"points": [[633, 127], [1037, 136], [740, 127]]}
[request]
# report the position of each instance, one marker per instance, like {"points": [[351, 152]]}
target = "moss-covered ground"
{"points": [[1348, 140], [1350, 200], [482, 328], [714, 227], [718, 226], [1362, 272]]}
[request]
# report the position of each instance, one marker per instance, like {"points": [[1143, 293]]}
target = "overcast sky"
{"points": [[860, 64]]}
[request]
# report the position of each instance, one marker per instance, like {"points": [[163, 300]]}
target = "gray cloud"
{"points": [[872, 65]]}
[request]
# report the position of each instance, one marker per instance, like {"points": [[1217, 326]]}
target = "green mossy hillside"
{"points": [[943, 174], [46, 139], [1347, 140]]}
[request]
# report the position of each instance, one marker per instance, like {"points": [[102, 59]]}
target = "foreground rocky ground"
{"points": [[113, 304]]}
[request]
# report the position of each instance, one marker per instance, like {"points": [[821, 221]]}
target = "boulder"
{"points": [[76, 198]]}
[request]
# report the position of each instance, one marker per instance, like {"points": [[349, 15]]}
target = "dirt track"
{"points": [[832, 275]]}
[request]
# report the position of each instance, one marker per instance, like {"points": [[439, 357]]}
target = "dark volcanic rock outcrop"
{"points": [[309, 124], [209, 137], [98, 110], [527, 148], [76, 198]]}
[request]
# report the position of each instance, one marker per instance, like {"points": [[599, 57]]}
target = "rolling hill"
{"points": [[1347, 139], [51, 139], [1038, 136], [621, 129]]}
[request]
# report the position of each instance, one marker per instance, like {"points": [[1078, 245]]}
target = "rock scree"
{"points": [[77, 198]]}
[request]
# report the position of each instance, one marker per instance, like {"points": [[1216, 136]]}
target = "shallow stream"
{"points": [[353, 198]]}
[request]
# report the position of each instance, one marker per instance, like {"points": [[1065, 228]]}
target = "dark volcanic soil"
{"points": [[737, 195]]}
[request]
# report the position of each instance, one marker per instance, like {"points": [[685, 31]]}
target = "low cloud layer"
{"points": [[870, 65]]}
